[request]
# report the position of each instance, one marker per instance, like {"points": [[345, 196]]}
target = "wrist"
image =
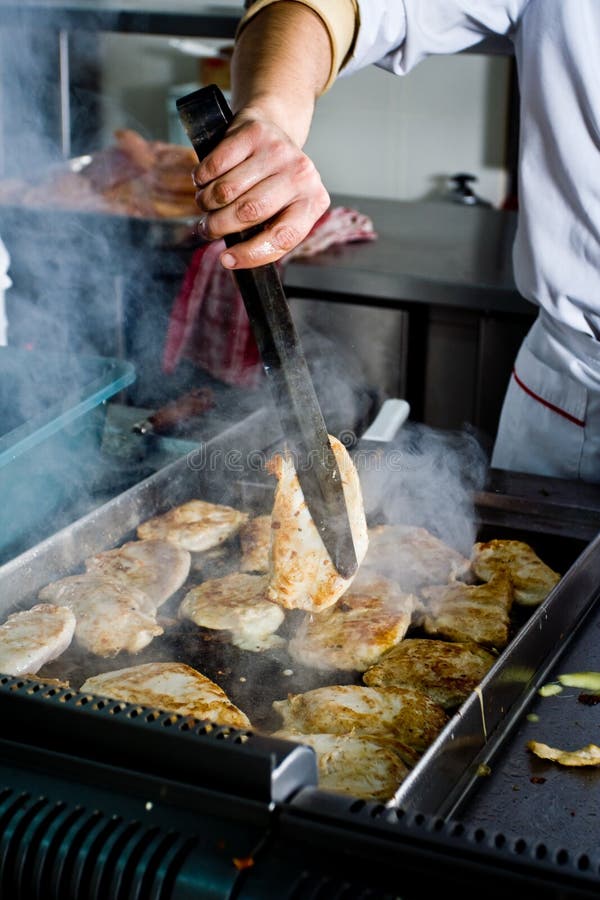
{"points": [[292, 117]]}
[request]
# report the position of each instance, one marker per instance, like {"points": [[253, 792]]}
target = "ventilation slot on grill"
{"points": [[50, 851], [451, 831]]}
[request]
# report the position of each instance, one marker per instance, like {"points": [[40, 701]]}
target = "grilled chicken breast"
{"points": [[358, 765], [412, 556], [236, 603], [402, 713], [158, 568], [302, 575], [255, 540], [110, 616], [172, 687], [532, 579], [195, 525], [33, 637], [470, 612], [371, 617], [446, 671]]}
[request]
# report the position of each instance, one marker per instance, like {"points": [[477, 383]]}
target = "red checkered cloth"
{"points": [[208, 324]]}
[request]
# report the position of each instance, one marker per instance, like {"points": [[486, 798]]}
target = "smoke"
{"points": [[427, 478], [342, 389], [83, 285]]}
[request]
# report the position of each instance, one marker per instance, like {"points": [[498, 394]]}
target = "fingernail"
{"points": [[228, 260]]}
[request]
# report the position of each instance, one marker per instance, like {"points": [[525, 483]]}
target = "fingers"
{"points": [[257, 176], [276, 238], [285, 211]]}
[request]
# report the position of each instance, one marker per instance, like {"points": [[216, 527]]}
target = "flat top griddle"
{"points": [[273, 676], [251, 680], [524, 793], [254, 680]]}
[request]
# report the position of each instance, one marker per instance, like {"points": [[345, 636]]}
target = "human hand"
{"points": [[257, 175]]}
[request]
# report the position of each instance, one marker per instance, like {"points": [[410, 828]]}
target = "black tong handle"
{"points": [[205, 116]]}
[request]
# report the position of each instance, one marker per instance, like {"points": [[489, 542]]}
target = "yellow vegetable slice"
{"points": [[586, 756], [548, 690], [589, 681]]}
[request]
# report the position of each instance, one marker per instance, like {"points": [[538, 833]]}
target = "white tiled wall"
{"points": [[389, 136]]}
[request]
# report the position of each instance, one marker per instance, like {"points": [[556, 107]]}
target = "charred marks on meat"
{"points": [[211, 613]]}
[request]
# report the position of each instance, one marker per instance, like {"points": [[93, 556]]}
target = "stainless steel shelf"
{"points": [[183, 17]]}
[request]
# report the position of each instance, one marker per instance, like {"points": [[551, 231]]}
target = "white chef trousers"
{"points": [[550, 421]]}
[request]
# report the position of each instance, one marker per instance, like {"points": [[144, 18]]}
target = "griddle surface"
{"points": [[541, 801]]}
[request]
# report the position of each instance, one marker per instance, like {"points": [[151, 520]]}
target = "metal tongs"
{"points": [[206, 115]]}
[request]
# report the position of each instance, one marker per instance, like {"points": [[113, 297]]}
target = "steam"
{"points": [[427, 478], [82, 285], [5, 282], [339, 380]]}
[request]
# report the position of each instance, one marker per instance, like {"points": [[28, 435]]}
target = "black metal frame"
{"points": [[133, 819]]}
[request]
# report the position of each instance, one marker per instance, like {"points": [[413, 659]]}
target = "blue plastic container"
{"points": [[52, 410]]}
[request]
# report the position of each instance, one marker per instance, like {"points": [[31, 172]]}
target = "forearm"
{"points": [[286, 54], [281, 64]]}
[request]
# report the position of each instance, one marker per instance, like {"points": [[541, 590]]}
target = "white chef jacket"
{"points": [[557, 246], [557, 48]]}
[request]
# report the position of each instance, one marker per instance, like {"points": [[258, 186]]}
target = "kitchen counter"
{"points": [[448, 270], [434, 253]]}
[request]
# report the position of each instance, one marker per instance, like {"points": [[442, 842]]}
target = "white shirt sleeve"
{"points": [[397, 34]]}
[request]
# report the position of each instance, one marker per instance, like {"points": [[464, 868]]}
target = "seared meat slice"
{"points": [[365, 767], [370, 618], [172, 687], [76, 587], [158, 568], [33, 637], [195, 525], [412, 556], [236, 603], [302, 575], [445, 671], [255, 539], [111, 616], [401, 713], [532, 579], [470, 612]]}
